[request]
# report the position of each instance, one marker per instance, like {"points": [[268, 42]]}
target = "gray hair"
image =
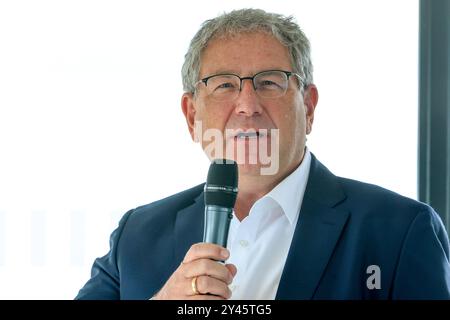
{"points": [[285, 29]]}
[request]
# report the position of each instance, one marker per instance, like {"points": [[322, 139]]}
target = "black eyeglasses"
{"points": [[267, 84]]}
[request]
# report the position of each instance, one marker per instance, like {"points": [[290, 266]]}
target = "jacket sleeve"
{"points": [[104, 283], [423, 269]]}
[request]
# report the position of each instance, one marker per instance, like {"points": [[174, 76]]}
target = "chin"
{"points": [[256, 170], [249, 168]]}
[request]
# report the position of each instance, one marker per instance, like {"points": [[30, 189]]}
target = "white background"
{"points": [[91, 125]]}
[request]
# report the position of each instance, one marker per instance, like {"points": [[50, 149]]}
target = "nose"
{"points": [[247, 103]]}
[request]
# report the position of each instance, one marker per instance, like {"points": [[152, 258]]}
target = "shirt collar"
{"points": [[290, 191]]}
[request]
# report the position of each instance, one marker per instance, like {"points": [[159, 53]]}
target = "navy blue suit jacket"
{"points": [[344, 227]]}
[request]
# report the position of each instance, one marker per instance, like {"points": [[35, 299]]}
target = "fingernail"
{"points": [[224, 253]]}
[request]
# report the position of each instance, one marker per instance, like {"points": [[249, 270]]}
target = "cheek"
{"points": [[211, 118], [293, 120], [292, 127]]}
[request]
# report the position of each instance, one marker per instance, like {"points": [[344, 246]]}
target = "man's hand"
{"points": [[200, 270]]}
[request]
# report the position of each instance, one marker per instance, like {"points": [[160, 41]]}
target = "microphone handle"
{"points": [[217, 223]]}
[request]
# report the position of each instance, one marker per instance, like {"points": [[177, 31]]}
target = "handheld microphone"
{"points": [[220, 196]]}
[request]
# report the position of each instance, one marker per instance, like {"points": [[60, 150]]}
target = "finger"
{"points": [[208, 285], [232, 268], [208, 267], [206, 250]]}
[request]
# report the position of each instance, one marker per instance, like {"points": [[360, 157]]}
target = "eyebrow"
{"points": [[220, 72]]}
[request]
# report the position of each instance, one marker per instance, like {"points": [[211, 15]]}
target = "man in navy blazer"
{"points": [[298, 231]]}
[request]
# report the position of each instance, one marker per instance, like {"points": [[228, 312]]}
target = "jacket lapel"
{"points": [[317, 232], [189, 227]]}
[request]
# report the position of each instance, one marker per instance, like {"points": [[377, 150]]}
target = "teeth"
{"points": [[243, 135]]}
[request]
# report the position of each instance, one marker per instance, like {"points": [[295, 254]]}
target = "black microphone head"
{"points": [[221, 184]]}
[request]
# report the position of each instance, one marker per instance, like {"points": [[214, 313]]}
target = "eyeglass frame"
{"points": [[287, 73]]}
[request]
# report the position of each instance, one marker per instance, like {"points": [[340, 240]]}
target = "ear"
{"points": [[188, 108], [310, 99]]}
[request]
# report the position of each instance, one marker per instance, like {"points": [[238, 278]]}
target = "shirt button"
{"points": [[244, 243]]}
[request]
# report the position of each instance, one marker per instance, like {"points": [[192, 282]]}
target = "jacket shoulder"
{"points": [[381, 200], [167, 206]]}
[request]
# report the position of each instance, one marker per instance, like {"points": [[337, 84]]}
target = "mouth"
{"points": [[250, 134]]}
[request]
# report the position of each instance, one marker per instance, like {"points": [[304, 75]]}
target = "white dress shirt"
{"points": [[259, 244]]}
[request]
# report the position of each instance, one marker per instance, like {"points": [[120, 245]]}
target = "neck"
{"points": [[254, 187], [251, 189]]}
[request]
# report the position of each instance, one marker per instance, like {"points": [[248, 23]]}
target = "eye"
{"points": [[225, 85], [267, 83]]}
